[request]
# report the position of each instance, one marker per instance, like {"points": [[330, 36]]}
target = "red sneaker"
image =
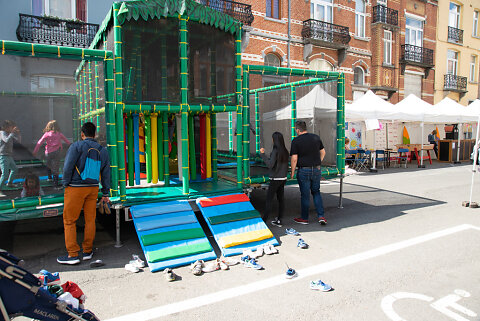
{"points": [[322, 220], [300, 220]]}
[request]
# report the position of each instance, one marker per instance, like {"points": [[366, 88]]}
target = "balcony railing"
{"points": [[240, 11], [385, 15], [325, 32], [55, 31], [455, 35], [455, 83], [417, 55]]}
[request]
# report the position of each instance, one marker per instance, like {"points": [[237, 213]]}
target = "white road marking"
{"points": [[387, 303], [223, 295]]}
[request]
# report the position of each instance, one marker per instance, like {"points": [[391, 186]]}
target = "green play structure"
{"points": [[181, 116]]}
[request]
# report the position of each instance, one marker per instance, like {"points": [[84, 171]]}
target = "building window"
{"points": [[358, 76], [475, 23], [320, 65], [473, 67], [360, 18], [272, 60], [454, 15], [452, 62], [321, 10], [273, 9], [414, 32], [387, 47], [382, 2], [66, 9]]}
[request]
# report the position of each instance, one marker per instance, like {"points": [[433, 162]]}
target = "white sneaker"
{"points": [[197, 267], [222, 264], [229, 261], [266, 249], [131, 268], [259, 252], [137, 261], [273, 249], [211, 266]]}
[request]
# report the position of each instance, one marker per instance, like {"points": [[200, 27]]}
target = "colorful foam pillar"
{"points": [[136, 148], [130, 163], [154, 146], [160, 150], [166, 158], [191, 143], [208, 146], [203, 155], [148, 148]]}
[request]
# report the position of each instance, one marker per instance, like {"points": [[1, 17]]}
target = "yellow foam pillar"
{"points": [[208, 138], [153, 124]]}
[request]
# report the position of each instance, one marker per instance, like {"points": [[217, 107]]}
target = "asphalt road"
{"points": [[401, 248]]}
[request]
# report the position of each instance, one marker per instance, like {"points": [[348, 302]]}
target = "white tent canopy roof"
{"points": [[369, 106]]}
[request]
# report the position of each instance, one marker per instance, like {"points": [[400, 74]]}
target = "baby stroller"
{"points": [[21, 294]]}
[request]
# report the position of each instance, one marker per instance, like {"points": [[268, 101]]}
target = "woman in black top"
{"points": [[278, 166]]}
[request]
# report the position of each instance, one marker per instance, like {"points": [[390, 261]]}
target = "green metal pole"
{"points": [[238, 91], [257, 124], [293, 96], [97, 98], [214, 147], [246, 127], [85, 88], [80, 93], [130, 163], [117, 29], [14, 47], [166, 157], [148, 148], [191, 140], [161, 161], [269, 70], [90, 89], [75, 111], [230, 132], [341, 124], [110, 121], [184, 100]]}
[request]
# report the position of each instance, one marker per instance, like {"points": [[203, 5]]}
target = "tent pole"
{"points": [[458, 146], [475, 159], [421, 146]]}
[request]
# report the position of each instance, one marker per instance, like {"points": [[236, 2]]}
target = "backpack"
{"points": [[91, 171]]}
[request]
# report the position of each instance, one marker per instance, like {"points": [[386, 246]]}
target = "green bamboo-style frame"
{"points": [[23, 49]]}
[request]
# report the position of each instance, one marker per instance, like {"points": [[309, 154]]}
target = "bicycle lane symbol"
{"points": [[444, 305]]}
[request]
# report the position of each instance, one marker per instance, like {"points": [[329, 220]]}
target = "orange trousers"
{"points": [[75, 199]]}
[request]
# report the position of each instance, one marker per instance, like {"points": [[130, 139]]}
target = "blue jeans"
{"points": [[309, 182], [8, 168]]}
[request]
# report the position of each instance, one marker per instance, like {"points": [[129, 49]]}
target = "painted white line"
{"points": [[280, 279]]}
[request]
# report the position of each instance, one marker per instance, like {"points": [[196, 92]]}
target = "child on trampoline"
{"points": [[278, 166], [31, 186], [52, 138], [8, 134]]}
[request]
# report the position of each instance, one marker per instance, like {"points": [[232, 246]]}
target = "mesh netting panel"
{"points": [[274, 110], [151, 61], [212, 65], [224, 122], [317, 106], [36, 91]]}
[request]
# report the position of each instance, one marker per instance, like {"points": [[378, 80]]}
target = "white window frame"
{"points": [[360, 18], [327, 6], [454, 15], [454, 62], [363, 76], [272, 55], [415, 31], [473, 68], [387, 47], [476, 15], [73, 5]]}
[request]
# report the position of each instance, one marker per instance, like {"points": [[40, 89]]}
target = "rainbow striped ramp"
{"points": [[170, 234], [234, 223]]}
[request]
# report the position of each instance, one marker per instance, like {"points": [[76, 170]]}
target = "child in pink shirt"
{"points": [[53, 138]]}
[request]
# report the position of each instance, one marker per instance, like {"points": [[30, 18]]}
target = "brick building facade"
{"points": [[350, 36]]}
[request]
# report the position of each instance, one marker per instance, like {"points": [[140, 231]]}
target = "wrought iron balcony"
{"points": [[325, 33], [455, 35], [455, 83], [55, 31], [240, 11], [415, 55], [385, 15]]}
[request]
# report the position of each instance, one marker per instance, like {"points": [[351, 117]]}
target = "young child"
{"points": [[31, 186], [8, 134], [53, 139], [278, 165]]}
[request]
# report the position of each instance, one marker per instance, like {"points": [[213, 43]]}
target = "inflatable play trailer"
{"points": [[175, 117]]}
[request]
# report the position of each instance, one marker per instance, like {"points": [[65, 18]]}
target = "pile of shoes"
{"points": [[69, 292], [200, 267], [135, 265]]}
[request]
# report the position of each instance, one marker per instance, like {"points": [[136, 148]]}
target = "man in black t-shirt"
{"points": [[307, 153]]}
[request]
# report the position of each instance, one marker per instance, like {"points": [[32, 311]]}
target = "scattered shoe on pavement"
{"points": [[131, 268], [137, 261], [277, 222], [47, 278], [319, 285], [229, 261], [197, 267], [301, 244], [169, 275], [259, 251], [211, 266], [291, 231], [291, 273], [322, 220], [300, 220], [96, 263], [252, 263]]}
